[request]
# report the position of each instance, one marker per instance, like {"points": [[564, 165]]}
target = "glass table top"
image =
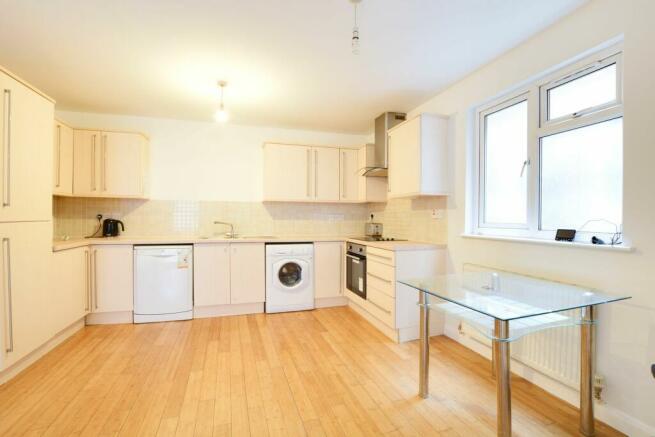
{"points": [[509, 296]]}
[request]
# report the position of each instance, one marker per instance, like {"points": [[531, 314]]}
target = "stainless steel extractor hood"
{"points": [[377, 154]]}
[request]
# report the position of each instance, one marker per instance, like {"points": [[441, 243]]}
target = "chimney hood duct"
{"points": [[377, 154]]}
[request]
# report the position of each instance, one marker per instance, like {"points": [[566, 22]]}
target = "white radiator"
{"points": [[554, 352]]}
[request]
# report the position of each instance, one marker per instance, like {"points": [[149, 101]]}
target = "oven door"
{"points": [[356, 274]]}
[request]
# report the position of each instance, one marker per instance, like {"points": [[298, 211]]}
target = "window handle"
{"points": [[525, 164]]}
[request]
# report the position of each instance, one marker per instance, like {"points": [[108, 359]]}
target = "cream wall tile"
{"points": [[402, 218]]}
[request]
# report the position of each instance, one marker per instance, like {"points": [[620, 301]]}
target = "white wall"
{"points": [[205, 161], [626, 334]]}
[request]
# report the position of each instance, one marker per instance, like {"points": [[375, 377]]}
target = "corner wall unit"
{"points": [[110, 164]]}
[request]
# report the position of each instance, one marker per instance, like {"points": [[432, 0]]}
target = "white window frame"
{"points": [[535, 93]]}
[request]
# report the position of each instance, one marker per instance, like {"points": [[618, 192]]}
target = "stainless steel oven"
{"points": [[356, 269]]}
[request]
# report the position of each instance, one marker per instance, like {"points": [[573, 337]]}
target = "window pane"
{"points": [[506, 133], [582, 177], [585, 92]]}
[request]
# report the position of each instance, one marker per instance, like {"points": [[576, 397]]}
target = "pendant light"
{"points": [[354, 41], [222, 115]]}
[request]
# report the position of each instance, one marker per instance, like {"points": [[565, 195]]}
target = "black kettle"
{"points": [[110, 227]]}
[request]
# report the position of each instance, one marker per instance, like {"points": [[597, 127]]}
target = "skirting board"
{"points": [[325, 302], [227, 310], [113, 318], [28, 360], [611, 416]]}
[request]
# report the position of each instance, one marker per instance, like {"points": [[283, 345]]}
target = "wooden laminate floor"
{"points": [[323, 372]]}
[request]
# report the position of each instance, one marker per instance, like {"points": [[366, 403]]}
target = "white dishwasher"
{"points": [[163, 283]]}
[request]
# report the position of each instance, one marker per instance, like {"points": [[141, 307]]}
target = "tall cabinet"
{"points": [[26, 175]]}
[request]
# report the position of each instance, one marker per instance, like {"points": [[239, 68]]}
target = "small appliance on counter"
{"points": [[110, 227]]}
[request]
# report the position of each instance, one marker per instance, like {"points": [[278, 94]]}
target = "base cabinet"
{"points": [[112, 278], [328, 276], [211, 274], [69, 299], [26, 251], [247, 273]]}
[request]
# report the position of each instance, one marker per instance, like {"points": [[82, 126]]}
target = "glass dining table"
{"points": [[504, 307]]}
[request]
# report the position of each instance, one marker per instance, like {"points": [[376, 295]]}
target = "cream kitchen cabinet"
{"points": [[62, 184], [328, 273], [287, 173], [109, 164], [247, 273], [325, 172], [389, 305], [69, 297], [295, 173], [112, 279], [25, 282], [350, 174], [211, 274], [26, 152], [418, 157]]}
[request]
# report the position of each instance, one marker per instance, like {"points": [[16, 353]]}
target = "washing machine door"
{"points": [[290, 273]]}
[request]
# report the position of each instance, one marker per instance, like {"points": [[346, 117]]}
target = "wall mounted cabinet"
{"points": [[418, 157], [62, 184], [109, 164], [296, 173], [350, 173]]}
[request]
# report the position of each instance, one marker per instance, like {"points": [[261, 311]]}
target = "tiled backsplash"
{"points": [[410, 219]]}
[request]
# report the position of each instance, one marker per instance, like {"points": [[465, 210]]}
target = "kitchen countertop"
{"points": [[387, 245]]}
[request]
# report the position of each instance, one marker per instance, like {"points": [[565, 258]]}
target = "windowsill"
{"points": [[575, 244]]}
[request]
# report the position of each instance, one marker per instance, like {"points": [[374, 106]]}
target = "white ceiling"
{"points": [[288, 63]]}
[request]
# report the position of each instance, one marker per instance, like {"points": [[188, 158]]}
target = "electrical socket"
{"points": [[437, 214]]}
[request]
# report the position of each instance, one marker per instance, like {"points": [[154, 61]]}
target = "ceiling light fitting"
{"points": [[222, 115], [355, 36]]}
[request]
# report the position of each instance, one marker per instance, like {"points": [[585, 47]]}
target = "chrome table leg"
{"points": [[587, 371], [503, 390], [424, 338]]}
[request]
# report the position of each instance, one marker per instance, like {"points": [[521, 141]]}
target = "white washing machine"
{"points": [[289, 277]]}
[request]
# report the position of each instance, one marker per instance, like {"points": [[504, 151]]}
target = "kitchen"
{"points": [[286, 266]]}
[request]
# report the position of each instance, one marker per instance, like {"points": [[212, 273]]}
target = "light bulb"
{"points": [[221, 115], [355, 41]]}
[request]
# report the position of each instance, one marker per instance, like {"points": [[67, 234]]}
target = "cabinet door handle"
{"points": [[6, 150], [87, 279], [315, 173], [380, 278], [58, 156], [343, 177], [95, 278], [104, 162], [381, 308], [93, 165], [375, 255], [6, 249], [309, 165]]}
